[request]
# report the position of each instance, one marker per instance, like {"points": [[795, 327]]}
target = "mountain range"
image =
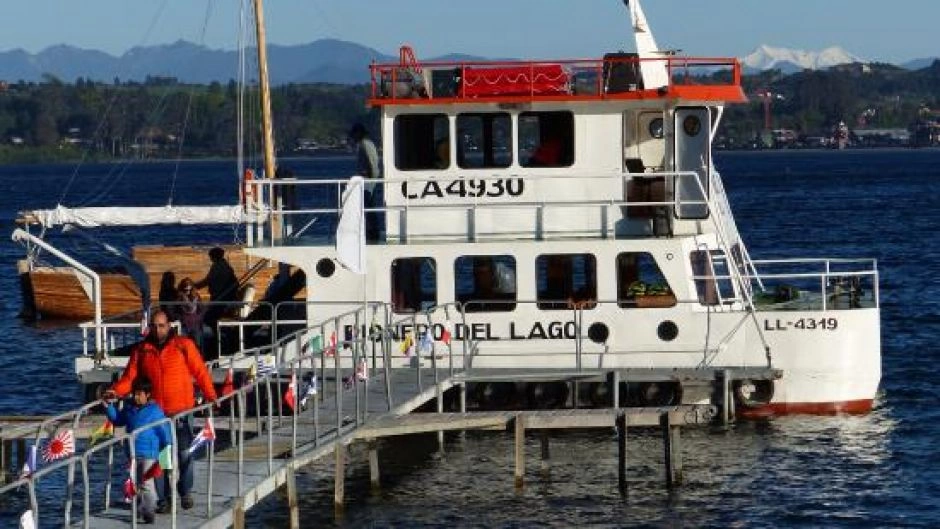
{"points": [[325, 60]]}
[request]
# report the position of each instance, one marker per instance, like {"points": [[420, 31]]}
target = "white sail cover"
{"points": [[351, 231], [654, 72], [137, 216]]}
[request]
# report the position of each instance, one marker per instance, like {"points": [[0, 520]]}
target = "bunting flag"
{"points": [[166, 458], [129, 488], [445, 335], [103, 433], [331, 348], [310, 389], [29, 467], [407, 345], [205, 436], [28, 520], [362, 370], [228, 385], [290, 396], [60, 446], [427, 343], [266, 366], [155, 471]]}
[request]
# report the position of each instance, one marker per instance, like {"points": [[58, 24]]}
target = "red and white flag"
{"points": [[331, 347], [445, 334], [60, 446], [228, 385], [206, 435], [130, 487], [290, 396], [362, 370]]}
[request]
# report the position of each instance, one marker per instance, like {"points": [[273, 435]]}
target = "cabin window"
{"points": [[641, 283], [485, 283], [484, 141], [566, 281], [546, 139], [414, 284], [422, 142], [712, 276]]}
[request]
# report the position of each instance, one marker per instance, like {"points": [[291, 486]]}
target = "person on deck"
{"points": [[148, 444], [171, 362], [367, 165], [191, 311], [223, 286]]}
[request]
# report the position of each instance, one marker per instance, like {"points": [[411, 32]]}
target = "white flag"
{"points": [[351, 231]]}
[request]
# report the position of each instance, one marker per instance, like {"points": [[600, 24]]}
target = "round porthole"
{"points": [[656, 128], [667, 331], [326, 267], [692, 125], [598, 332]]}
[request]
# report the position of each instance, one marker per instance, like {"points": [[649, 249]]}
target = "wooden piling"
{"points": [[672, 451], [238, 514], [292, 505], [622, 452], [725, 397], [373, 448], [339, 477], [546, 456], [6, 461], [520, 451]]}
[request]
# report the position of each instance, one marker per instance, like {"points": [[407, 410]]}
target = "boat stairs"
{"points": [[260, 444]]}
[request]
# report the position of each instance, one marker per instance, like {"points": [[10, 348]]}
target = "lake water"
{"points": [[877, 470]]}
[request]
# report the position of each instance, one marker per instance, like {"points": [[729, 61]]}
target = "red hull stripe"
{"points": [[807, 408]]}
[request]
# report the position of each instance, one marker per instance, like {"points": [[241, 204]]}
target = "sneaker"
{"points": [[146, 519], [163, 507], [186, 502]]}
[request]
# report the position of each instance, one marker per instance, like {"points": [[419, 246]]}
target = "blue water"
{"points": [[877, 470]]}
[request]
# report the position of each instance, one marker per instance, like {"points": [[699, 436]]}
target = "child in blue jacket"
{"points": [[148, 443]]}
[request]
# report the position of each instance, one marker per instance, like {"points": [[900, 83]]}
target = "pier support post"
{"points": [[520, 451], [463, 397], [622, 452], [6, 461], [616, 389], [373, 449], [339, 478], [292, 505], [238, 514], [726, 397], [546, 456], [672, 448], [440, 409]]}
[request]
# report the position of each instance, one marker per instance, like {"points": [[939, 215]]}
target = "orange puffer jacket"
{"points": [[171, 369]]}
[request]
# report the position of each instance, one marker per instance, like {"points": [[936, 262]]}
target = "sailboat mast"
{"points": [[266, 120]]}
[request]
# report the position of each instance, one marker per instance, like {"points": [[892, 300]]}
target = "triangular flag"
{"points": [[290, 396], [362, 370], [315, 343], [445, 334], [61, 445], [331, 349], [155, 471], [166, 458], [228, 385], [103, 433], [29, 466], [310, 389], [28, 520], [407, 344], [351, 228], [130, 488], [427, 343], [206, 435]]}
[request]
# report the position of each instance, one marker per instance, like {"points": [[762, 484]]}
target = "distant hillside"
{"points": [[790, 61]]}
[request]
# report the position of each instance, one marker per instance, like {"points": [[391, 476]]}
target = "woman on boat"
{"points": [[191, 311]]}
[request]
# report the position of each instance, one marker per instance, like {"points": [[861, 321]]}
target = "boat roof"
{"points": [[616, 77]]}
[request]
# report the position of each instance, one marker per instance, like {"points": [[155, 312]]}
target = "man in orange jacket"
{"points": [[171, 362]]}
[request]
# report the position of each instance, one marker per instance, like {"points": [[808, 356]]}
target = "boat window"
{"points": [[422, 141], [566, 281], [485, 283], [546, 139], [484, 140], [414, 284], [712, 276], [641, 283]]}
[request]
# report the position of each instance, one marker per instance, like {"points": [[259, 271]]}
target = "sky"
{"points": [[895, 31]]}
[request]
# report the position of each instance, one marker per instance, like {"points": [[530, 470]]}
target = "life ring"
{"points": [[247, 189], [753, 393], [660, 393]]}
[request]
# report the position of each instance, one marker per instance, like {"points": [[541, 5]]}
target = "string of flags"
{"points": [[290, 396], [102, 433], [407, 345], [228, 385], [362, 370], [205, 436], [309, 390], [29, 466], [60, 446]]}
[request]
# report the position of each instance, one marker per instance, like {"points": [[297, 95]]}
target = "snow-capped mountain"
{"points": [[767, 57]]}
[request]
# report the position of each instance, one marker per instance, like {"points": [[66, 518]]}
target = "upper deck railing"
{"points": [[615, 77]]}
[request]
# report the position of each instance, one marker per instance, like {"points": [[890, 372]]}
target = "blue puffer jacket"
{"points": [[148, 443]]}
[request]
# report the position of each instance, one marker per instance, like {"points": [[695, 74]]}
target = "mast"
{"points": [[266, 120]]}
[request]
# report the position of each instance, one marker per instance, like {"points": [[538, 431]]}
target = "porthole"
{"points": [[692, 125], [598, 332], [325, 267], [667, 331], [656, 128]]}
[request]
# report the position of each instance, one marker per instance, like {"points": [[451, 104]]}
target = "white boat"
{"points": [[575, 228]]}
